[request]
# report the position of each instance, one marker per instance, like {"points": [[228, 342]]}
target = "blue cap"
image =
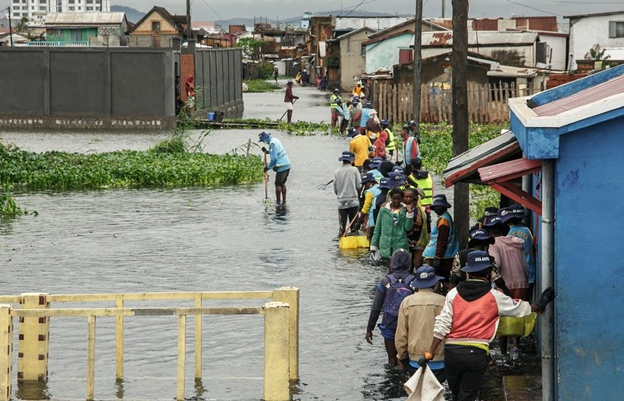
{"points": [[440, 201], [374, 165], [477, 261], [369, 105], [395, 180], [352, 132], [398, 169], [492, 220], [347, 156], [264, 137], [480, 235], [384, 123], [355, 100], [384, 183], [368, 177], [510, 212], [425, 277]]}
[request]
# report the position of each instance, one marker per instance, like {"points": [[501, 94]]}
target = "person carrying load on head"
{"points": [[468, 322], [391, 290], [280, 163]]}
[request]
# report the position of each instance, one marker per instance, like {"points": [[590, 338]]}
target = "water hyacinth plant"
{"points": [[125, 169], [9, 208]]}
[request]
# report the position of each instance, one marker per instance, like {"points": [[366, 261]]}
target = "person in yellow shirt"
{"points": [[361, 146], [357, 90]]}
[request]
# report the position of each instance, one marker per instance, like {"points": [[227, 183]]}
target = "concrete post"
{"points": [[33, 343], [6, 352], [290, 296], [276, 351]]}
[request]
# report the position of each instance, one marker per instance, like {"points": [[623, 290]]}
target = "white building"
{"points": [[605, 29], [36, 10]]}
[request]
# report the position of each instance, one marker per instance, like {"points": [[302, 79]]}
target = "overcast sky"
{"points": [[208, 10]]}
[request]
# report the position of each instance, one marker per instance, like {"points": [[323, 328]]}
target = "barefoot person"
{"points": [[289, 99], [280, 163]]}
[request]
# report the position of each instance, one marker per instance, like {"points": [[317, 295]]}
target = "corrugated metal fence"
{"points": [[219, 79], [486, 103]]}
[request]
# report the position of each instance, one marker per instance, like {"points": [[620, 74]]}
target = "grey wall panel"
{"points": [[138, 83], [76, 82], [22, 82]]}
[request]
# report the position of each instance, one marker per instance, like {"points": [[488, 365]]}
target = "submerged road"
{"points": [[199, 239]]}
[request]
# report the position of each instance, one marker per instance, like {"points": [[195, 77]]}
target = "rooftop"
{"points": [[85, 18]]}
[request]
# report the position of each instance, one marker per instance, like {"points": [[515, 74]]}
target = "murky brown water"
{"points": [[198, 240]]}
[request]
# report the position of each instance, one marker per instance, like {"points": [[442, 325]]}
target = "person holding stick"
{"points": [[289, 99], [280, 163]]}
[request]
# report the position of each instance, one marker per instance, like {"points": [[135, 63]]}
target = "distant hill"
{"points": [[132, 15]]}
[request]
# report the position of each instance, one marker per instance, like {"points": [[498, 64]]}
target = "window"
{"points": [[616, 29], [155, 26]]}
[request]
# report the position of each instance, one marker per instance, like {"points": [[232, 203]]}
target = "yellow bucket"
{"points": [[516, 326], [353, 241]]}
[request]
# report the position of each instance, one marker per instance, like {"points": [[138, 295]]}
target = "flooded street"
{"points": [[200, 239]]}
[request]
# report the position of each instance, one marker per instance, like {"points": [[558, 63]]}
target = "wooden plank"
{"points": [[181, 357], [90, 357]]}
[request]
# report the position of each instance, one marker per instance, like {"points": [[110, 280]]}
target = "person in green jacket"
{"points": [[394, 221]]}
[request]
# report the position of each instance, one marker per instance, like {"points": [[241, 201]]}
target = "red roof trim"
{"points": [[484, 161]]}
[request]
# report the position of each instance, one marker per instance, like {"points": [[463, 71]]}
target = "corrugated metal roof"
{"points": [[97, 18], [483, 38], [464, 167], [584, 97]]}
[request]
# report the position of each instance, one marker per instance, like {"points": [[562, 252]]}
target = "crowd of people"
{"points": [[441, 305]]}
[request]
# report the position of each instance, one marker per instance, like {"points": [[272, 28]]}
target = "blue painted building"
{"points": [[562, 161], [578, 129]]}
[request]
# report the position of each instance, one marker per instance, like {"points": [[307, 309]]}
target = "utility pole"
{"points": [[417, 63], [10, 26], [189, 28], [460, 111], [443, 8]]}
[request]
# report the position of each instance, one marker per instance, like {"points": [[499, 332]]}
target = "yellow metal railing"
{"points": [[281, 332]]}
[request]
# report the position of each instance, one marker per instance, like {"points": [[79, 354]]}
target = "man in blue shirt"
{"points": [[280, 163]]}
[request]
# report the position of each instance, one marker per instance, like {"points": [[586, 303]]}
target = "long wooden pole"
{"points": [[417, 62], [460, 112]]}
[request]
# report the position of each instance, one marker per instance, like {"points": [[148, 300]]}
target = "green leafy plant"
{"points": [[9, 208], [260, 85]]}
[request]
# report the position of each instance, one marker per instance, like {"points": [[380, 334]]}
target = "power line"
{"points": [[534, 8], [213, 10]]}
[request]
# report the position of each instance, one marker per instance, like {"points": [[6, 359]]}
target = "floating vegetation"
{"points": [[165, 166], [299, 128], [260, 85], [9, 208]]}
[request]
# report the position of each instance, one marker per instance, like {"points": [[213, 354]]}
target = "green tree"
{"points": [[22, 26], [251, 47]]}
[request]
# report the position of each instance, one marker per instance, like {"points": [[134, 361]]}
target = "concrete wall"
{"points": [[559, 48], [586, 32], [588, 265], [86, 87], [352, 61], [219, 77]]}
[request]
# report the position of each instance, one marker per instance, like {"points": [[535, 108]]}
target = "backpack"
{"points": [[396, 291]]}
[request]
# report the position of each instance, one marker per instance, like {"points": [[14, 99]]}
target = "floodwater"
{"points": [[198, 239]]}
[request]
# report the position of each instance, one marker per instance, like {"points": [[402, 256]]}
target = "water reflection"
{"points": [[33, 390], [119, 384], [275, 215], [387, 386]]}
